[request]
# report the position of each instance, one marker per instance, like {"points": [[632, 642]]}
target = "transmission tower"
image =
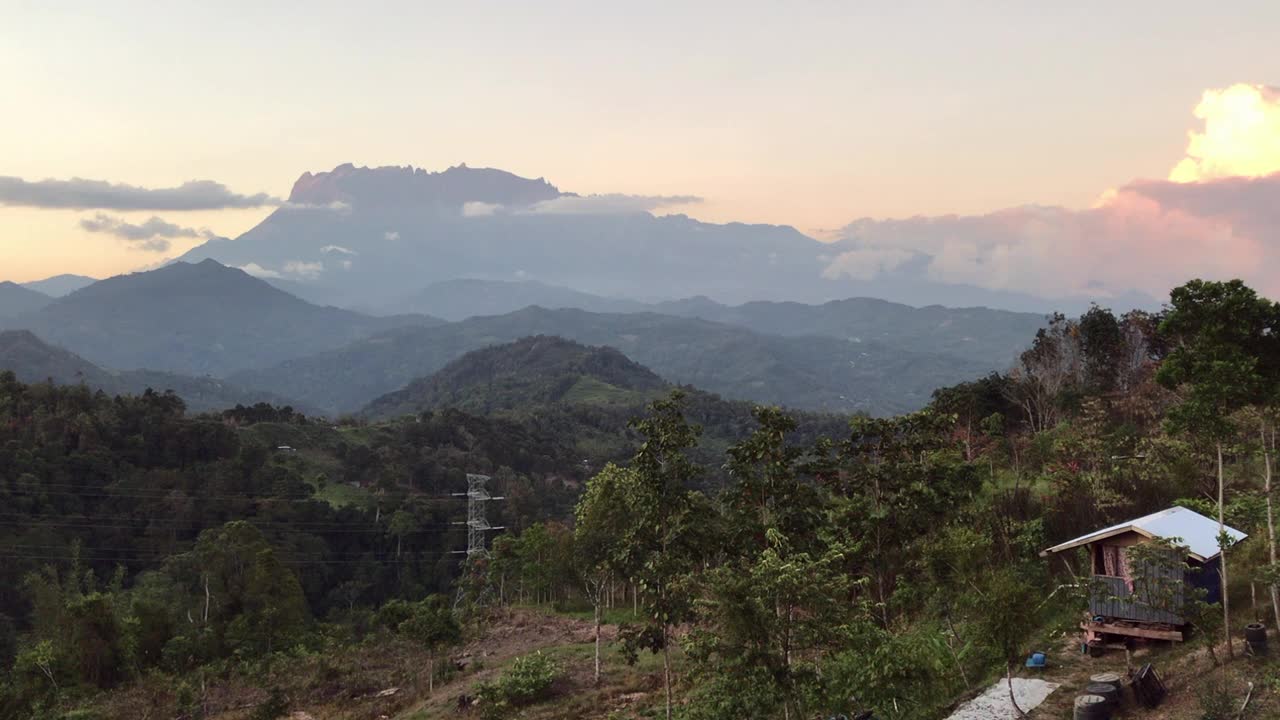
{"points": [[478, 526], [477, 523]]}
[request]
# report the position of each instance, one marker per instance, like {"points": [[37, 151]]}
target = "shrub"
{"points": [[527, 681]]}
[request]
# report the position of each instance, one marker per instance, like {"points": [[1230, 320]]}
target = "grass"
{"points": [[591, 391]]}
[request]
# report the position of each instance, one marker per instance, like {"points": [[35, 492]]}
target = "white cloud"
{"points": [[338, 249], [479, 209], [867, 263], [303, 269], [608, 204], [1241, 135], [336, 206], [391, 235], [258, 271]]}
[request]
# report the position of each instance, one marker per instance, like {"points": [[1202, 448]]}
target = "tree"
{"points": [[432, 624], [1008, 615], [1220, 331], [608, 504], [780, 590], [1052, 365], [402, 523], [657, 541]]}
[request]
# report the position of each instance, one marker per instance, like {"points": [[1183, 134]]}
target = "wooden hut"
{"points": [[1116, 607]]}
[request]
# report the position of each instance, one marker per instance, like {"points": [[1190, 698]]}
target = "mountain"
{"points": [[584, 395], [974, 333], [381, 234], [196, 319], [532, 371], [17, 300], [33, 360], [464, 298], [814, 373], [370, 237], [60, 285]]}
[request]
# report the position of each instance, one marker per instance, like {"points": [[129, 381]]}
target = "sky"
{"points": [[981, 134]]}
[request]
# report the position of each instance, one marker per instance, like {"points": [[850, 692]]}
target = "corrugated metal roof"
{"points": [[1188, 528]]}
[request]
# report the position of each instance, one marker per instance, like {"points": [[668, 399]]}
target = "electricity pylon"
{"points": [[478, 526]]}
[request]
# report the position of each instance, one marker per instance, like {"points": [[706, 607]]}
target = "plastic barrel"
{"points": [[1092, 707], [1255, 636], [1106, 690]]}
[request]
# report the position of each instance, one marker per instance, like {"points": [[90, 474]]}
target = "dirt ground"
{"points": [[1186, 674]]}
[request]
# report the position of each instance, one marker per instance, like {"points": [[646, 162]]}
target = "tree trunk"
{"points": [[1271, 526], [597, 679], [1013, 700], [431, 673], [955, 657], [1222, 561], [666, 667]]}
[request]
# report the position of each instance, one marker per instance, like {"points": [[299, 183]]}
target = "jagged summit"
{"points": [[391, 185]]}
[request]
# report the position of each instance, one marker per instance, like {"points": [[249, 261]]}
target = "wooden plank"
{"points": [[1141, 632]]}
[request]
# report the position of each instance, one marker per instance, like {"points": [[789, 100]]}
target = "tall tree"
{"points": [[1219, 332], [433, 624], [608, 505], [658, 539], [772, 604]]}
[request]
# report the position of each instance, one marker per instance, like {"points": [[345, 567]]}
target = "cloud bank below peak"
{"points": [[570, 204]]}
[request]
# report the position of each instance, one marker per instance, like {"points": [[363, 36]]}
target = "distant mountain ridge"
{"points": [[472, 297], [60, 285], [16, 299], [32, 360], [451, 188], [200, 318], [813, 373], [976, 333]]}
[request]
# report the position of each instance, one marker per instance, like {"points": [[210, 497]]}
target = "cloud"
{"points": [[258, 271], [608, 204], [81, 194], [1240, 138], [479, 209], [153, 235], [336, 206], [1131, 241], [391, 236], [1217, 217], [338, 249], [303, 269]]}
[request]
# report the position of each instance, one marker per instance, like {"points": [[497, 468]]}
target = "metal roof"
{"points": [[1187, 528]]}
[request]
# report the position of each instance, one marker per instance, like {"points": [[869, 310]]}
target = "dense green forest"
{"points": [[775, 565]]}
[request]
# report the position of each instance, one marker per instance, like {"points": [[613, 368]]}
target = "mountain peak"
{"points": [[394, 185]]}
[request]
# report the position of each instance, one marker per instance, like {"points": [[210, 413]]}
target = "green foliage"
{"points": [[527, 681]]}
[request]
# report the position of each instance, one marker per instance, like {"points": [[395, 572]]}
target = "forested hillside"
{"points": [[32, 360], [258, 561], [811, 373]]}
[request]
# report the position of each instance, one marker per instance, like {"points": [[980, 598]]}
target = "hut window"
{"points": [[1114, 561]]}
